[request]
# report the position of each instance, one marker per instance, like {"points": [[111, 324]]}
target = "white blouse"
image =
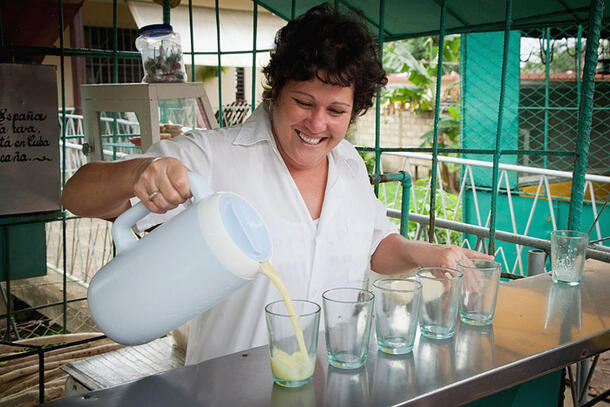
{"points": [[310, 258]]}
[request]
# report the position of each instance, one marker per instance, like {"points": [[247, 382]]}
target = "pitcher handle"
{"points": [[121, 229]]}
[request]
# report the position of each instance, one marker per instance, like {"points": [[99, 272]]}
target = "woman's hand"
{"points": [[161, 184], [436, 255]]}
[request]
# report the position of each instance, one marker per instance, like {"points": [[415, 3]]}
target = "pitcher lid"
{"points": [[245, 227]]}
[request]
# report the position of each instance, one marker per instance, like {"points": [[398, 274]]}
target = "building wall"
{"points": [[398, 128]]}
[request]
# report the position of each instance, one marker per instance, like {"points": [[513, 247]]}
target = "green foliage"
{"points": [[421, 188], [418, 58], [207, 72], [369, 160], [448, 126]]}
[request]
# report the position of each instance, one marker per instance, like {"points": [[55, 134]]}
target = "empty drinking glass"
{"points": [[397, 303], [440, 295], [347, 317], [479, 290], [568, 249]]}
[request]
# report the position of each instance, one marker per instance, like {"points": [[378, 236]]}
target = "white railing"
{"points": [[518, 225], [88, 241]]}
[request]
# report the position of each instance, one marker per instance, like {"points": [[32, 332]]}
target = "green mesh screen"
{"points": [[550, 94]]}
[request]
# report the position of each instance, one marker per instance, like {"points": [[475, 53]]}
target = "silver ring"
{"points": [[153, 195]]}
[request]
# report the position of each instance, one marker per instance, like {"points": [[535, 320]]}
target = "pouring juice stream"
{"points": [[298, 365]]}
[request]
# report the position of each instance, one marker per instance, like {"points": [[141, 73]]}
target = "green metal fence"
{"points": [[540, 121]]}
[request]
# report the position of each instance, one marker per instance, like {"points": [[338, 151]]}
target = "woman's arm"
{"points": [[103, 189], [398, 255]]}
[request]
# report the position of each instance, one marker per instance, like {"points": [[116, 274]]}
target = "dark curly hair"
{"points": [[336, 48]]}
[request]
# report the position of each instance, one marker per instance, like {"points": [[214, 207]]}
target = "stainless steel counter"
{"points": [[539, 327]]}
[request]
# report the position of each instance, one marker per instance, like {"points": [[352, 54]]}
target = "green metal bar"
{"points": [[85, 52], [69, 52], [293, 9], [378, 98], [496, 158], [8, 316], [63, 172], [563, 109], [192, 41], [220, 120], [115, 69], [437, 108], [254, 40], [406, 182], [43, 306], [115, 43], [547, 75], [166, 12], [274, 11], [585, 115], [32, 218], [249, 51], [578, 66], [468, 151], [10, 321]]}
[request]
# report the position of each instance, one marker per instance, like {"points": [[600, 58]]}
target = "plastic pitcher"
{"points": [[180, 269]]}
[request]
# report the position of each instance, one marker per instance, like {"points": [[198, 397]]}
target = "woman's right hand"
{"points": [[161, 184]]}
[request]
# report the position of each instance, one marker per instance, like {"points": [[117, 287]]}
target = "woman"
{"points": [[291, 162]]}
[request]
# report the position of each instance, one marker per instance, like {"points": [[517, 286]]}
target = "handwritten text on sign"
{"points": [[29, 139]]}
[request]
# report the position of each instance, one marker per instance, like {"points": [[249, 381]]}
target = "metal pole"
{"points": [[378, 98], [437, 108], [220, 120], [192, 41], [254, 38], [406, 183], [496, 160], [585, 114], [547, 64], [593, 252], [63, 173], [166, 12]]}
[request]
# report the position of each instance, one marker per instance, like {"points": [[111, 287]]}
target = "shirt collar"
{"points": [[256, 128]]}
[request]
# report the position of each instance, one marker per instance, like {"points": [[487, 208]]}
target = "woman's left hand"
{"points": [[438, 255]]}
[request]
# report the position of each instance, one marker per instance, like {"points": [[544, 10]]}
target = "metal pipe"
{"points": [[469, 151], [598, 252], [220, 120], [437, 107], [406, 182], [192, 40], [254, 39], [496, 156], [536, 261], [378, 98], [585, 115], [547, 75], [166, 12], [508, 167]]}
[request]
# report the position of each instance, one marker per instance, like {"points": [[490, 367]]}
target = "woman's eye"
{"points": [[302, 103], [336, 111]]}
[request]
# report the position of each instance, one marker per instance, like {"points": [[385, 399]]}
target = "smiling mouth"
{"points": [[309, 140]]}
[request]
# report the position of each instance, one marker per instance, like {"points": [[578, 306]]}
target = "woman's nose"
{"points": [[317, 121]]}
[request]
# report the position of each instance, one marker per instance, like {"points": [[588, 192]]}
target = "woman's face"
{"points": [[309, 119]]}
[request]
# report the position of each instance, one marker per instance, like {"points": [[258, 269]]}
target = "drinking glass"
{"points": [[568, 248], [293, 358], [440, 298], [479, 290], [396, 313], [347, 318]]}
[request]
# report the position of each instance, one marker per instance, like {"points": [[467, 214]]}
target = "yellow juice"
{"points": [[296, 366]]}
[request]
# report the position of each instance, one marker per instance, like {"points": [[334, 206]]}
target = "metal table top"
{"points": [[539, 327]]}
